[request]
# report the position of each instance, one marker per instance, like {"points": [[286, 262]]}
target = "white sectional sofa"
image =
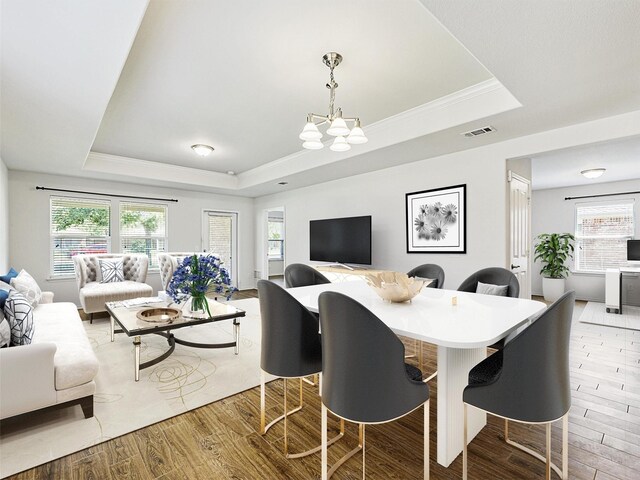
{"points": [[57, 369]]}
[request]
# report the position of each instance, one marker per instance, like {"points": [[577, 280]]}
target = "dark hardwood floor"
{"points": [[220, 440]]}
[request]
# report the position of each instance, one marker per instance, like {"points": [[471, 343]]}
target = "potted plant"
{"points": [[553, 250]]}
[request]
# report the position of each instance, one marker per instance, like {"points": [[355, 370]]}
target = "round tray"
{"points": [[158, 314]]}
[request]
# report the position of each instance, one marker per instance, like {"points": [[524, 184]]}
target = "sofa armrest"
{"points": [[27, 379], [47, 297]]}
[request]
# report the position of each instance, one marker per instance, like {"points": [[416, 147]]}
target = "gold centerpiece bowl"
{"points": [[396, 287]]}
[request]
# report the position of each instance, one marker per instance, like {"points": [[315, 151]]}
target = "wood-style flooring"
{"points": [[221, 441]]}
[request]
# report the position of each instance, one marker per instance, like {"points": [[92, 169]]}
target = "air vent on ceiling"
{"points": [[479, 131]]}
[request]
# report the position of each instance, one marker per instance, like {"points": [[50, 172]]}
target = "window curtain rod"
{"points": [[105, 194], [601, 195]]}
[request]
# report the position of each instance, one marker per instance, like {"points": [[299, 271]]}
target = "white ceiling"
{"points": [[562, 168], [215, 72], [242, 75]]}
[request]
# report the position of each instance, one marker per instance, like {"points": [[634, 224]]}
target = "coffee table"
{"points": [[129, 323]]}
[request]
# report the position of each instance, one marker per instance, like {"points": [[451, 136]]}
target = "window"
{"points": [[143, 229], [276, 238], [602, 231], [78, 225]]}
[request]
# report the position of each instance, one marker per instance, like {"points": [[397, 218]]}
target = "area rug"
{"points": [[189, 378], [596, 313]]}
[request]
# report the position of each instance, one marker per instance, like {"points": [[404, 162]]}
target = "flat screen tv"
{"points": [[633, 250], [341, 240]]}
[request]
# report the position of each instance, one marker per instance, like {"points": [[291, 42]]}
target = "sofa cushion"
{"points": [[27, 286], [111, 270], [94, 295], [75, 363], [19, 312]]}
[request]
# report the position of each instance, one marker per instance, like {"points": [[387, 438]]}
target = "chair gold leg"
{"points": [[549, 465], [324, 443], [286, 446], [263, 413], [464, 445], [362, 442], [426, 439], [565, 447], [548, 452]]}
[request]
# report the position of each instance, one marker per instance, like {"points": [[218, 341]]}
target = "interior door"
{"points": [[220, 232], [520, 228]]}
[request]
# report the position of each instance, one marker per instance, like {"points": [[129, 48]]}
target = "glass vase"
{"points": [[198, 304]]}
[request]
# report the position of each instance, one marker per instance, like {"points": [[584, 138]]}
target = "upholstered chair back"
{"points": [[87, 267], [168, 262]]}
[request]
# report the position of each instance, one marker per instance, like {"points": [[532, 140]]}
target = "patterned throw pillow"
{"points": [[5, 330], [112, 271], [27, 286], [18, 311]]}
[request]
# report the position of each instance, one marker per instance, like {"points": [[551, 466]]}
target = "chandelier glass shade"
{"points": [[338, 125]]}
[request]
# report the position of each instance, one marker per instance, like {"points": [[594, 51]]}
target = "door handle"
{"points": [[513, 267]]}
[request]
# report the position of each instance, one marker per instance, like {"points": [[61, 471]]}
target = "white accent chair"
{"points": [[56, 370], [168, 262], [94, 294]]}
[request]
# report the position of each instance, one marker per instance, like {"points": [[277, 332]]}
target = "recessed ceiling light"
{"points": [[283, 183], [593, 172], [202, 150], [230, 172]]}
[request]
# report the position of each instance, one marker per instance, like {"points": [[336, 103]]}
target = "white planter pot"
{"points": [[552, 288]]}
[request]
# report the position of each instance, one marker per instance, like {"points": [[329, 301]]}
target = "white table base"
{"points": [[453, 375]]}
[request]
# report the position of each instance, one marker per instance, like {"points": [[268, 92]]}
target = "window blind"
{"points": [[602, 231], [143, 229], [77, 226]]}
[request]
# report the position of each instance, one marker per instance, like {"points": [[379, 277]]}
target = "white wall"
{"points": [[381, 194], [4, 218], [551, 213], [29, 212]]}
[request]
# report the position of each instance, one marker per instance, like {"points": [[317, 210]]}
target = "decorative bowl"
{"points": [[395, 287], [158, 314]]}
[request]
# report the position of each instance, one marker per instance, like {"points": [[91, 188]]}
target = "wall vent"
{"points": [[479, 131]]}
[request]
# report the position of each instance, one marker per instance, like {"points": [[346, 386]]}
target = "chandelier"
{"points": [[338, 128]]}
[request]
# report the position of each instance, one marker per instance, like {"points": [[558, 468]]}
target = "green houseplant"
{"points": [[553, 250]]}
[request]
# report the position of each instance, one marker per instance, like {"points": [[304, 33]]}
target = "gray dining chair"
{"points": [[429, 270], [290, 349], [301, 275], [494, 276], [528, 381], [435, 272], [364, 377]]}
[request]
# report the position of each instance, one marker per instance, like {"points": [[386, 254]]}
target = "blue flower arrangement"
{"points": [[196, 276]]}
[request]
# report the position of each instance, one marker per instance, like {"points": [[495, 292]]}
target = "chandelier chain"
{"points": [[332, 95]]}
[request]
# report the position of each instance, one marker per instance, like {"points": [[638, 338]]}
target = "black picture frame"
{"points": [[436, 220]]}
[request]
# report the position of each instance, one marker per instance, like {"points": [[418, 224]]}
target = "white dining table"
{"points": [[461, 332]]}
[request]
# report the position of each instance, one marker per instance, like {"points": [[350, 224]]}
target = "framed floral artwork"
{"points": [[437, 220]]}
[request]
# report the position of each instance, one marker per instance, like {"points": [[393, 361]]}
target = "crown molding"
{"points": [[473, 103], [135, 167]]}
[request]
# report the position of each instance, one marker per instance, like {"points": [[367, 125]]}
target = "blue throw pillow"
{"points": [[10, 274], [3, 298]]}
